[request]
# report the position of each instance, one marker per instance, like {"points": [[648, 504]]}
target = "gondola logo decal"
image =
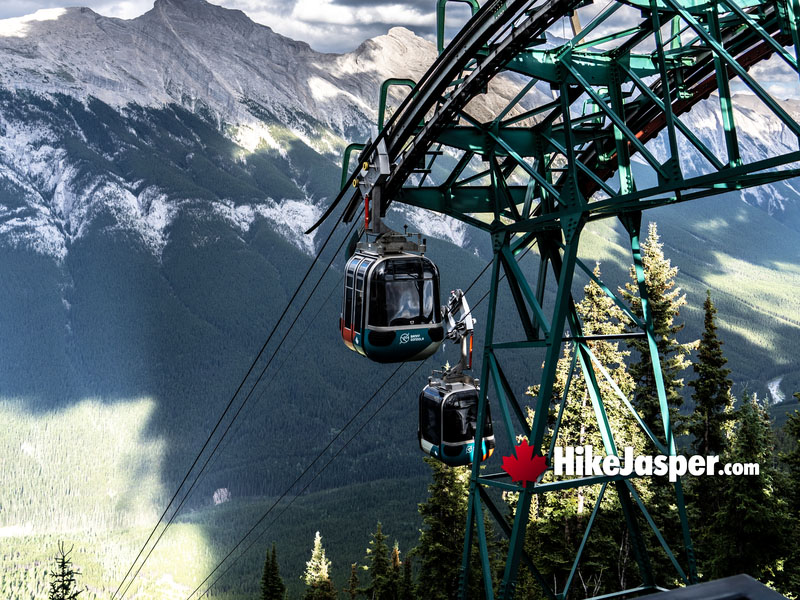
{"points": [[411, 337]]}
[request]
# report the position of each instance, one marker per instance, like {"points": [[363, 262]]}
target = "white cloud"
{"points": [[322, 36], [775, 69], [18, 27], [124, 9], [329, 12]]}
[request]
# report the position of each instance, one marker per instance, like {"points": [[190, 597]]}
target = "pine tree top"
{"points": [[378, 553], [753, 438], [665, 300], [318, 568], [63, 582]]}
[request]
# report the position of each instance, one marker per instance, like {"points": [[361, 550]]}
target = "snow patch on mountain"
{"points": [[775, 393], [147, 214], [253, 136], [767, 198], [290, 217], [34, 231], [760, 136], [155, 214], [60, 205], [437, 226], [28, 151], [325, 91]]}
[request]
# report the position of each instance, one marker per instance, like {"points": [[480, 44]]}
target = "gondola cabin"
{"points": [[448, 418], [390, 310]]}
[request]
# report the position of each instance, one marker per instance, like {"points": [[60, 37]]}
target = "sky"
{"points": [[327, 25]]}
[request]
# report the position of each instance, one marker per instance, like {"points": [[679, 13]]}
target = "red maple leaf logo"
{"points": [[525, 466]]}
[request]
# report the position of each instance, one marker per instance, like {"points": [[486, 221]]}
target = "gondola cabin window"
{"points": [[429, 418], [404, 292], [359, 295], [460, 419], [347, 309]]}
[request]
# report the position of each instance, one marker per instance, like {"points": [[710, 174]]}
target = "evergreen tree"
{"points": [[440, 545], [317, 574], [709, 427], [559, 519], [789, 580], [352, 589], [266, 577], [665, 301], [757, 541], [396, 575], [712, 390], [324, 590], [63, 585], [272, 586], [407, 591], [380, 569]]}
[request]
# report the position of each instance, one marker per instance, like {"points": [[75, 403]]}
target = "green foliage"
{"points": [[272, 586], [317, 575], [323, 590], [317, 568], [665, 301], [379, 569], [63, 582], [559, 519], [709, 425], [440, 547], [407, 588], [352, 583], [396, 573], [712, 390], [789, 580], [443, 515], [193, 545], [54, 485], [758, 541]]}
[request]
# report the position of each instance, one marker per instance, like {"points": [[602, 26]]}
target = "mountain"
{"points": [[155, 179], [276, 102], [156, 175]]}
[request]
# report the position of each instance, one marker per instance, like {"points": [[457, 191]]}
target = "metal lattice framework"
{"points": [[557, 155]]}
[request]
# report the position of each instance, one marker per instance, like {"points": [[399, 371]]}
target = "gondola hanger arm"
{"points": [[460, 327]]}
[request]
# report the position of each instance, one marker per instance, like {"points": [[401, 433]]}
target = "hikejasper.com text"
{"points": [[581, 461]]}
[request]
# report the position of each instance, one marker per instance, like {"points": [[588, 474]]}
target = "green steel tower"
{"points": [[594, 129]]}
